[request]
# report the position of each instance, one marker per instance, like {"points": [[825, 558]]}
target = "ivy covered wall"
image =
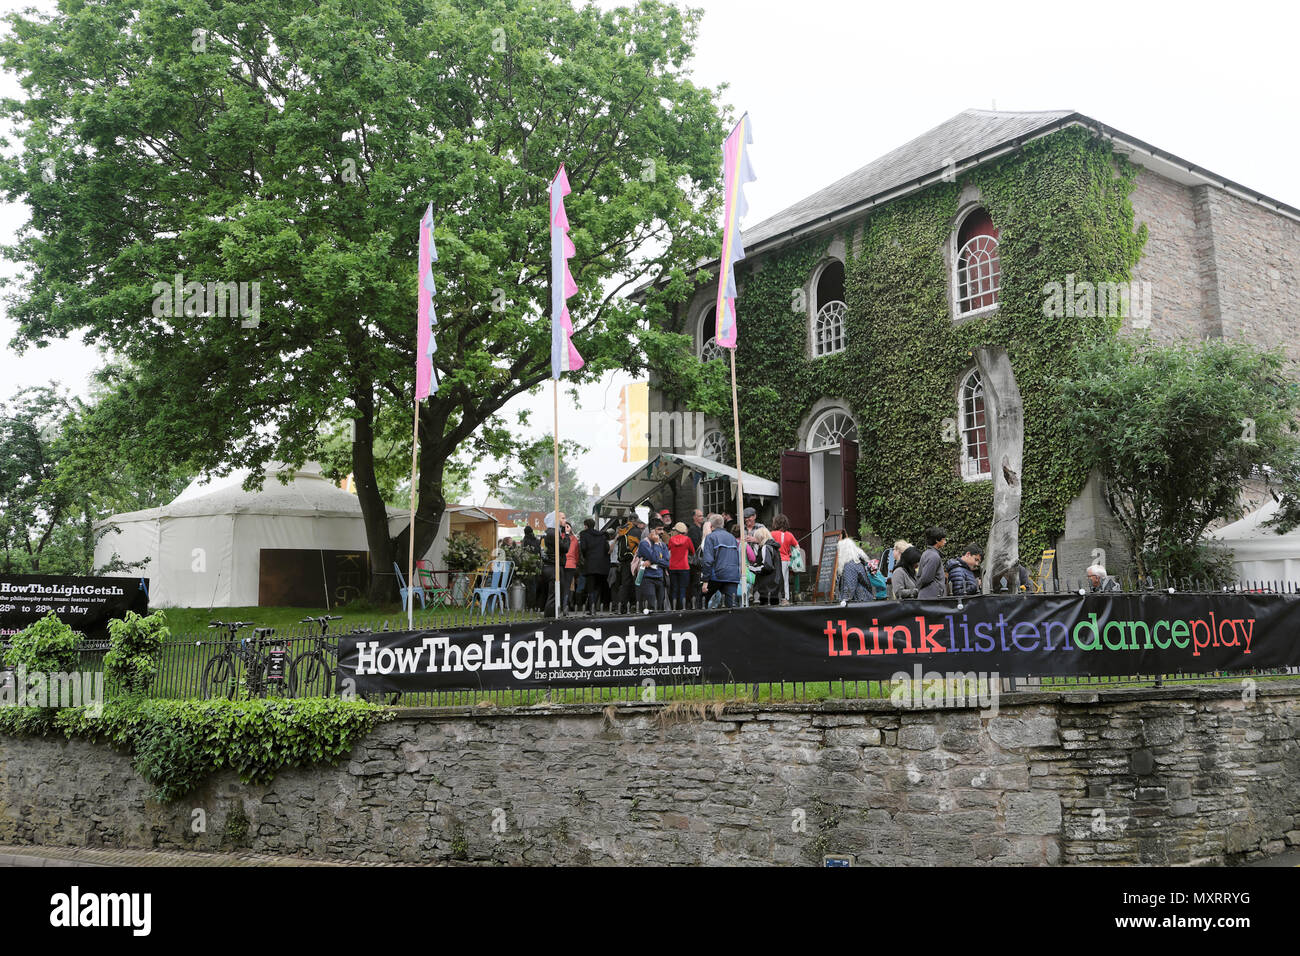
{"points": [[1061, 204]]}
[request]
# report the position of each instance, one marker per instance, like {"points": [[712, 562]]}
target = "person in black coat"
{"points": [[593, 550]]}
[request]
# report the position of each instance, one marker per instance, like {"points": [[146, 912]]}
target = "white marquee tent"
{"points": [[204, 550], [1260, 554]]}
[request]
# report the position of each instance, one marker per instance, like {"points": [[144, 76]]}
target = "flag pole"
{"points": [[740, 484], [410, 563], [555, 545]]}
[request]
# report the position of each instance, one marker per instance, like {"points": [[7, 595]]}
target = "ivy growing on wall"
{"points": [[1061, 204]]}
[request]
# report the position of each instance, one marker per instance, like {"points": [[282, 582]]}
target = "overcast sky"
{"points": [[832, 85]]}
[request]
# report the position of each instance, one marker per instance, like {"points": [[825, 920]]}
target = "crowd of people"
{"points": [[664, 564], [904, 572]]}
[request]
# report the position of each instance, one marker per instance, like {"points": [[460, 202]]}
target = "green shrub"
{"points": [[48, 646], [465, 553], [134, 644], [175, 744]]}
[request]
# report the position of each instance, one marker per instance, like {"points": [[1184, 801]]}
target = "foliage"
{"points": [[526, 563], [535, 491], [134, 645], [465, 552], [56, 484], [48, 646], [177, 743], [296, 145], [1175, 431], [1061, 205]]}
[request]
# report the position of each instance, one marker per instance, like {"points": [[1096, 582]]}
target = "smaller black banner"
{"points": [[84, 604]]}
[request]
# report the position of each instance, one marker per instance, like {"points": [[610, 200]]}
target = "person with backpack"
{"points": [[626, 542], [855, 573], [766, 568], [720, 563], [931, 581], [902, 583]]}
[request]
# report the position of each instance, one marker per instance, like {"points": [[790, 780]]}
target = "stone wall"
{"points": [[1178, 775]]}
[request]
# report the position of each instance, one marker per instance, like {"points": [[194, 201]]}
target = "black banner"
{"points": [[84, 604], [1014, 636]]}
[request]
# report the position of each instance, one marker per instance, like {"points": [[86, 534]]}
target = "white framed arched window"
{"points": [[831, 428], [713, 446], [974, 428], [708, 337], [828, 310], [977, 278]]}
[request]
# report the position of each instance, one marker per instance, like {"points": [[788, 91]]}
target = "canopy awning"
{"points": [[641, 485]]}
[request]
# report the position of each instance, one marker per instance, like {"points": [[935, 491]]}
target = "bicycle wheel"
{"points": [[217, 677], [310, 676]]}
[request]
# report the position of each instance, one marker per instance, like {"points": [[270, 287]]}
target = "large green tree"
{"points": [[295, 144], [534, 490], [1175, 431], [52, 499]]}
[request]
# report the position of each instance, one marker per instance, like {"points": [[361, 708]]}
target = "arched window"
{"points": [[830, 429], [979, 273], [829, 310], [713, 445], [709, 347], [974, 430]]}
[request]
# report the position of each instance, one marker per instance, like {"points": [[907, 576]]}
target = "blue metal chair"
{"points": [[496, 587], [407, 592]]}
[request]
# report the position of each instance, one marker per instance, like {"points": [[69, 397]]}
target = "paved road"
{"points": [[82, 856]]}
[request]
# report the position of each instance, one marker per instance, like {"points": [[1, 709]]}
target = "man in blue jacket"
{"points": [[720, 562], [654, 570], [962, 576]]}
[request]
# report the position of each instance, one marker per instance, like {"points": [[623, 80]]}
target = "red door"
{"points": [[796, 502], [849, 486]]}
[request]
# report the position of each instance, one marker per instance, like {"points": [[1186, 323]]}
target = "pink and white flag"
{"points": [[736, 171], [425, 346], [564, 357]]}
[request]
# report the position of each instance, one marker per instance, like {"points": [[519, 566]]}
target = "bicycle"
{"points": [[312, 667], [220, 675]]}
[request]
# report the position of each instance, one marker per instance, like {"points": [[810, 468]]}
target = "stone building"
{"points": [[1205, 258]]}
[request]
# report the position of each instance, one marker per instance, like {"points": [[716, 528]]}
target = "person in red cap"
{"points": [[666, 518]]}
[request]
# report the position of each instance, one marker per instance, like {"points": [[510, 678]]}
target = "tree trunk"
{"points": [[1005, 418], [374, 513], [430, 503]]}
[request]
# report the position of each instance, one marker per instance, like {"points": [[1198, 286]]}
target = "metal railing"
{"points": [[184, 659]]}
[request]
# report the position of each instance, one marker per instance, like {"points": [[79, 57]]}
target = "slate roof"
{"points": [[962, 138]]}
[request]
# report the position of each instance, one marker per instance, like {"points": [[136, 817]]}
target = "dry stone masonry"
{"points": [[1160, 776]]}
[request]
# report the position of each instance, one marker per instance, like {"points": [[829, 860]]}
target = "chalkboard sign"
{"points": [[828, 566]]}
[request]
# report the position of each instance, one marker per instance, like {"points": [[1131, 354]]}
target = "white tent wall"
{"points": [[205, 551], [1258, 554]]}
